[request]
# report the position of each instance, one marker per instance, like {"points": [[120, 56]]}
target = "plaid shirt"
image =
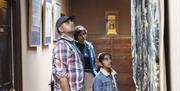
{"points": [[67, 63]]}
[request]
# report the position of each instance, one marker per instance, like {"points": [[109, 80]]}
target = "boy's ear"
{"points": [[100, 64]]}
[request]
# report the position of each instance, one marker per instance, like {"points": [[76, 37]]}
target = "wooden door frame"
{"points": [[16, 24], [167, 45]]}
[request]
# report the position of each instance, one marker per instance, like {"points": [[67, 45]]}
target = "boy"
{"points": [[106, 79]]}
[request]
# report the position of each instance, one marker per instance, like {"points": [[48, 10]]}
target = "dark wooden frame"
{"points": [[38, 37], [44, 30], [17, 44], [167, 45]]}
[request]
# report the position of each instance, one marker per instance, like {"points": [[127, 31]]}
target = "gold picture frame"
{"points": [[111, 18]]}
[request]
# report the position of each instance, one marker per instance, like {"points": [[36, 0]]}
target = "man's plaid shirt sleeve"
{"points": [[60, 60]]}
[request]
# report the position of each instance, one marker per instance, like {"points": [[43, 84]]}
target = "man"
{"points": [[67, 65]]}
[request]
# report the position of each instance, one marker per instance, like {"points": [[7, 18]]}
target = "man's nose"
{"points": [[72, 23]]}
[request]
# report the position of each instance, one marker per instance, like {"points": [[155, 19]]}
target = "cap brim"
{"points": [[70, 18], [60, 22]]}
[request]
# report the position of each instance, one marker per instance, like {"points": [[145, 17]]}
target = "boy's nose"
{"points": [[84, 36]]}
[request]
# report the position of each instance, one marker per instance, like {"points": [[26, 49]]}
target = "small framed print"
{"points": [[47, 22], [111, 18], [56, 16], [35, 23]]}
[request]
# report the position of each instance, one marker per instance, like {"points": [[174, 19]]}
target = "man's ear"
{"points": [[60, 29]]}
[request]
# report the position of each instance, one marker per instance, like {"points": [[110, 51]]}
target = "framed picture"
{"points": [[111, 18], [47, 22], [35, 22], [56, 15]]}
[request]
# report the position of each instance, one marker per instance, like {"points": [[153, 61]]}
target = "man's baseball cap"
{"points": [[63, 19]]}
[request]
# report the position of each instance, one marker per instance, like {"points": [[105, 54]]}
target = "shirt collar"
{"points": [[70, 39], [113, 72]]}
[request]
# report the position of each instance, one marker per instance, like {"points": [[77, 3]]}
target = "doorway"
{"points": [[10, 46]]}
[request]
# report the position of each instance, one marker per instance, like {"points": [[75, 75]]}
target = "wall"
{"points": [[91, 13], [174, 34], [120, 48], [65, 7], [36, 62]]}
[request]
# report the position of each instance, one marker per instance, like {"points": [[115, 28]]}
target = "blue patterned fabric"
{"points": [[92, 56], [145, 16]]}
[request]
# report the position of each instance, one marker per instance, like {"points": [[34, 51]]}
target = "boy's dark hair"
{"points": [[78, 30], [102, 55]]}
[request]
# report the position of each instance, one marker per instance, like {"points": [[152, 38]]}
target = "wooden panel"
{"points": [[127, 88], [121, 45], [125, 79], [5, 46], [122, 65], [124, 50], [5, 60], [96, 10], [126, 82], [17, 45], [120, 48], [101, 41], [122, 40]]}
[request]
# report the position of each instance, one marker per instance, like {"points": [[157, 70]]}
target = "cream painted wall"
{"points": [[174, 28], [36, 63]]}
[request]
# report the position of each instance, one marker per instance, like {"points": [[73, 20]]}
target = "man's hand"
{"points": [[64, 84]]}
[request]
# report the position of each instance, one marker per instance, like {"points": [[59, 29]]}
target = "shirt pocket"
{"points": [[71, 57], [107, 83]]}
